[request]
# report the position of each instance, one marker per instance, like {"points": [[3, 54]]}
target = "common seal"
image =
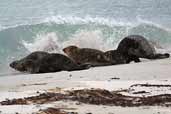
{"points": [[136, 46], [86, 56], [42, 62]]}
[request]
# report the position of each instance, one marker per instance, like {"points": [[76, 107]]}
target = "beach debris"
{"points": [[115, 78], [150, 85], [33, 84], [19, 101], [52, 110], [49, 77], [40, 99], [70, 75], [140, 92], [96, 97], [55, 90]]}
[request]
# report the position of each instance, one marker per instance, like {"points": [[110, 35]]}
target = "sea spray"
{"points": [[88, 39], [84, 39], [43, 42], [85, 20]]}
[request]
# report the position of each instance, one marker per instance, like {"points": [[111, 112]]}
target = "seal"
{"points": [[25, 63], [86, 56], [134, 47], [42, 62]]}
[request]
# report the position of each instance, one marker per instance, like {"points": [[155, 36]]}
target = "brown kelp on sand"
{"points": [[94, 96]]}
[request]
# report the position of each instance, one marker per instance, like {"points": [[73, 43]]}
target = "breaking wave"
{"points": [[55, 33]]}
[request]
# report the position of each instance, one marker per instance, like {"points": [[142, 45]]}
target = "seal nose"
{"points": [[64, 50], [13, 64]]}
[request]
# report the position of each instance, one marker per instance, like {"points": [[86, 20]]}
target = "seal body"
{"points": [[86, 56], [136, 46], [42, 62], [57, 62], [115, 57]]}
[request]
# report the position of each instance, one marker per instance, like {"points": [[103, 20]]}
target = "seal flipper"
{"points": [[163, 56], [80, 67], [135, 59], [102, 64], [33, 70], [84, 66], [159, 56]]}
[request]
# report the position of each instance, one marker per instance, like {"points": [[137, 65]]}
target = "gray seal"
{"points": [[90, 56], [43, 62], [134, 47]]}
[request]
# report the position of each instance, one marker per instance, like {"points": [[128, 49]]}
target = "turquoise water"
{"points": [[30, 25]]}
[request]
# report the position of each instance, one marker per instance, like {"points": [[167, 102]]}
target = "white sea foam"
{"points": [[88, 39], [144, 21], [85, 39], [43, 42], [86, 20]]}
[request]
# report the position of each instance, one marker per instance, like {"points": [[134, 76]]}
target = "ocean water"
{"points": [[50, 25]]}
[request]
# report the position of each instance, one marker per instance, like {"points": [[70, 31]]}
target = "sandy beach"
{"points": [[119, 32], [147, 78]]}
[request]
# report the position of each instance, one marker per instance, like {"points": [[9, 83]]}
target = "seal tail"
{"points": [[160, 56]]}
